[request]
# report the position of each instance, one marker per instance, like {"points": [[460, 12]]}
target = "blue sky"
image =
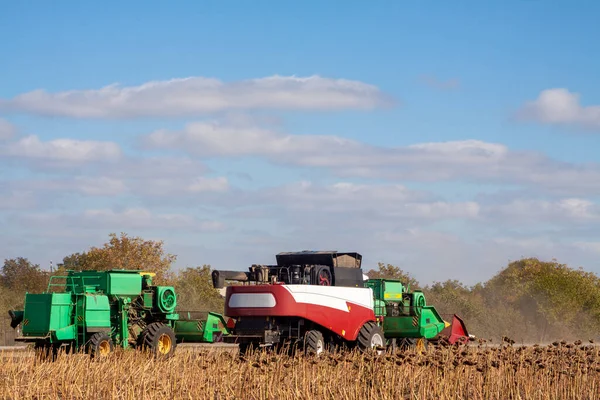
{"points": [[445, 138]]}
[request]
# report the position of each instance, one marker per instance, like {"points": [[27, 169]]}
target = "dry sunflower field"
{"points": [[555, 371]]}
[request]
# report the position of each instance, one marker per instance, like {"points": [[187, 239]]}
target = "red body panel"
{"points": [[456, 332], [344, 323]]}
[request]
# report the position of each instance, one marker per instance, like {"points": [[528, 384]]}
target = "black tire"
{"points": [[159, 339], [314, 343], [100, 345], [370, 336]]}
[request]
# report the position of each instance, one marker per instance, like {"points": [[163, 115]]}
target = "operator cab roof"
{"points": [[329, 258]]}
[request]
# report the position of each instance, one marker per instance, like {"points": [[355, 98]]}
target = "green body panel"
{"points": [[166, 299], [215, 325], [67, 333], [428, 325], [404, 314], [116, 283], [393, 290], [189, 330], [46, 312], [201, 330], [124, 284], [97, 311]]}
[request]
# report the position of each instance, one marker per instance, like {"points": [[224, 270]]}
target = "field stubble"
{"points": [[557, 371]]}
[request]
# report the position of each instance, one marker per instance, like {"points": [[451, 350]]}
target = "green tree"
{"points": [[20, 275], [389, 271], [195, 291], [124, 252], [554, 299]]}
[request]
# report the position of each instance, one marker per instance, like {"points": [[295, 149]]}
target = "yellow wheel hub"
{"points": [[104, 348], [164, 344]]}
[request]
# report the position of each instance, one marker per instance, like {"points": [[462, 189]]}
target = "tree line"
{"points": [[528, 300]]}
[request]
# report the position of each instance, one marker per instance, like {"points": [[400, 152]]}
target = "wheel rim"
{"points": [[104, 347], [324, 278], [319, 346], [164, 344], [376, 340]]}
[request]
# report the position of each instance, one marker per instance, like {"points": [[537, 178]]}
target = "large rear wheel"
{"points": [[159, 339], [370, 338]]}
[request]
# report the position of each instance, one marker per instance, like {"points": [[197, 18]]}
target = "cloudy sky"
{"points": [[447, 139]]}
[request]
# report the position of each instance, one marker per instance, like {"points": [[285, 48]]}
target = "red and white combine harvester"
{"points": [[319, 299]]}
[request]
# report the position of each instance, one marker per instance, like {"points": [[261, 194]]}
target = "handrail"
{"points": [[70, 282]]}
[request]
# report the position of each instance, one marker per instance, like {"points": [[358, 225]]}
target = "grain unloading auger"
{"points": [[318, 299]]}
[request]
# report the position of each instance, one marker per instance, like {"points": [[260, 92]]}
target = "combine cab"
{"points": [[314, 300]]}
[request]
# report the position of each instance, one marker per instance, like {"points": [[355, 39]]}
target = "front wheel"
{"points": [[100, 345], [370, 337], [314, 343], [159, 339]]}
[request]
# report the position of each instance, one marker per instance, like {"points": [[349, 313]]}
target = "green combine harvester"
{"points": [[95, 311], [407, 321]]}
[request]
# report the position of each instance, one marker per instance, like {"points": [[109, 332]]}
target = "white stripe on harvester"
{"points": [[331, 296]]}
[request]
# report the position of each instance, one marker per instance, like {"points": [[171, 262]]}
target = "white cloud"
{"points": [[127, 219], [464, 160], [570, 210], [203, 184], [218, 139], [199, 95], [560, 106], [7, 130], [63, 150], [100, 186], [593, 247], [304, 202], [16, 199], [86, 185]]}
